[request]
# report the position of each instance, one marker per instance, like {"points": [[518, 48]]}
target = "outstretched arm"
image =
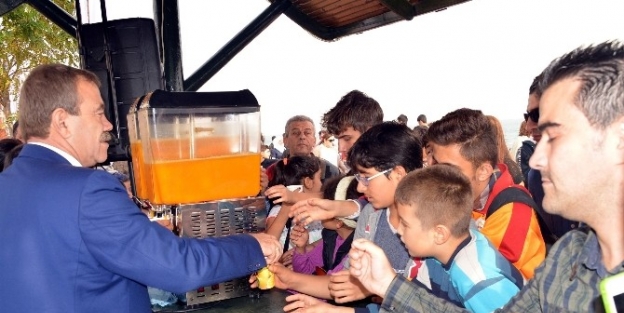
{"points": [[321, 209]]}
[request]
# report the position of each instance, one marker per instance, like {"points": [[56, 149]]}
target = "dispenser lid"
{"points": [[242, 99]]}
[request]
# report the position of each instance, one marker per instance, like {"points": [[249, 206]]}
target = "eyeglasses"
{"points": [[533, 114], [365, 180]]}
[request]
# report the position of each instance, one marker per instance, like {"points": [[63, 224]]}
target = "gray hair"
{"points": [[298, 118]]}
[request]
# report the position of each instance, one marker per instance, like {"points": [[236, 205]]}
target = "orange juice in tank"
{"points": [[197, 147]]}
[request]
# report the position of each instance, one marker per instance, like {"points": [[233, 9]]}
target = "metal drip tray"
{"points": [[218, 219]]}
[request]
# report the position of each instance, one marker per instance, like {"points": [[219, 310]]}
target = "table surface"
{"points": [[267, 301]]}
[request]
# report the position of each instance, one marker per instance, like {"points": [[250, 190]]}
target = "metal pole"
{"points": [[168, 26], [55, 14]]}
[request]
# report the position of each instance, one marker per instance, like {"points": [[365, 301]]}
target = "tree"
{"points": [[27, 39]]}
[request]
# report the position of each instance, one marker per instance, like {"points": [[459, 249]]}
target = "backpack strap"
{"points": [[343, 250], [515, 194], [509, 195], [329, 244], [287, 241]]}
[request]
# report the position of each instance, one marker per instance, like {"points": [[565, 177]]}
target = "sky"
{"points": [[482, 54]]}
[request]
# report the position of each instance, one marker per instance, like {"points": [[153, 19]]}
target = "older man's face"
{"points": [[300, 138], [89, 129]]}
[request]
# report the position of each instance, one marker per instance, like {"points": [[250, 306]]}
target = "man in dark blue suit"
{"points": [[72, 240]]}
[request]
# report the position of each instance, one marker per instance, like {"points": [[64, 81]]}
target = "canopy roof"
{"points": [[325, 19], [332, 19]]}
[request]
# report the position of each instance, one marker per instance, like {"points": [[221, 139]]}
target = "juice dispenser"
{"points": [[190, 147], [195, 157]]}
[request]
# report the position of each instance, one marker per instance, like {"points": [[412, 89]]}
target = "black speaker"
{"points": [[136, 69]]}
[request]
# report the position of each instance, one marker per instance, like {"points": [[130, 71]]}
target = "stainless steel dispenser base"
{"points": [[218, 219]]}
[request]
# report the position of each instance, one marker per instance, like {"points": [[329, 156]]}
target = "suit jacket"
{"points": [[74, 242]]}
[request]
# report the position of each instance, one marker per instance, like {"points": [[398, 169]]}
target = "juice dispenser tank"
{"points": [[191, 147]]}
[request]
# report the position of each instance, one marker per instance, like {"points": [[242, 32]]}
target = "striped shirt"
{"points": [[567, 281], [476, 277], [513, 228]]}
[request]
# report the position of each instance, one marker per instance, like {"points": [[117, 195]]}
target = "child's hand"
{"points": [[345, 288], [280, 194], [370, 266], [283, 275], [299, 237], [304, 303], [287, 258], [278, 270], [310, 210]]}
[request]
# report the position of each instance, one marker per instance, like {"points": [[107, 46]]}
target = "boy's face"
{"points": [[346, 140], [418, 241], [380, 190], [451, 154]]}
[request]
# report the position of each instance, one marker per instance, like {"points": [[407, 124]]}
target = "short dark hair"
{"points": [[420, 132], [402, 119], [293, 170], [600, 69], [421, 118], [534, 88], [471, 130], [442, 196], [355, 109], [6, 145], [11, 155], [385, 146]]}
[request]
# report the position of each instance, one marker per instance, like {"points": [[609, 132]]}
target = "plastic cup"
{"points": [[266, 279]]}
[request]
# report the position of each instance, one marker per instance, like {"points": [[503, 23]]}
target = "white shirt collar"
{"points": [[67, 156]]}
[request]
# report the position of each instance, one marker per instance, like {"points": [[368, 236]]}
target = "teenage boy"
{"points": [[354, 114], [465, 138]]}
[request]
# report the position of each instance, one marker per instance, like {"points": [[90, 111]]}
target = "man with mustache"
{"points": [[72, 237], [300, 140]]}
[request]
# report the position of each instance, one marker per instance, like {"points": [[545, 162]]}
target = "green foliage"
{"points": [[28, 39], [8, 123]]}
